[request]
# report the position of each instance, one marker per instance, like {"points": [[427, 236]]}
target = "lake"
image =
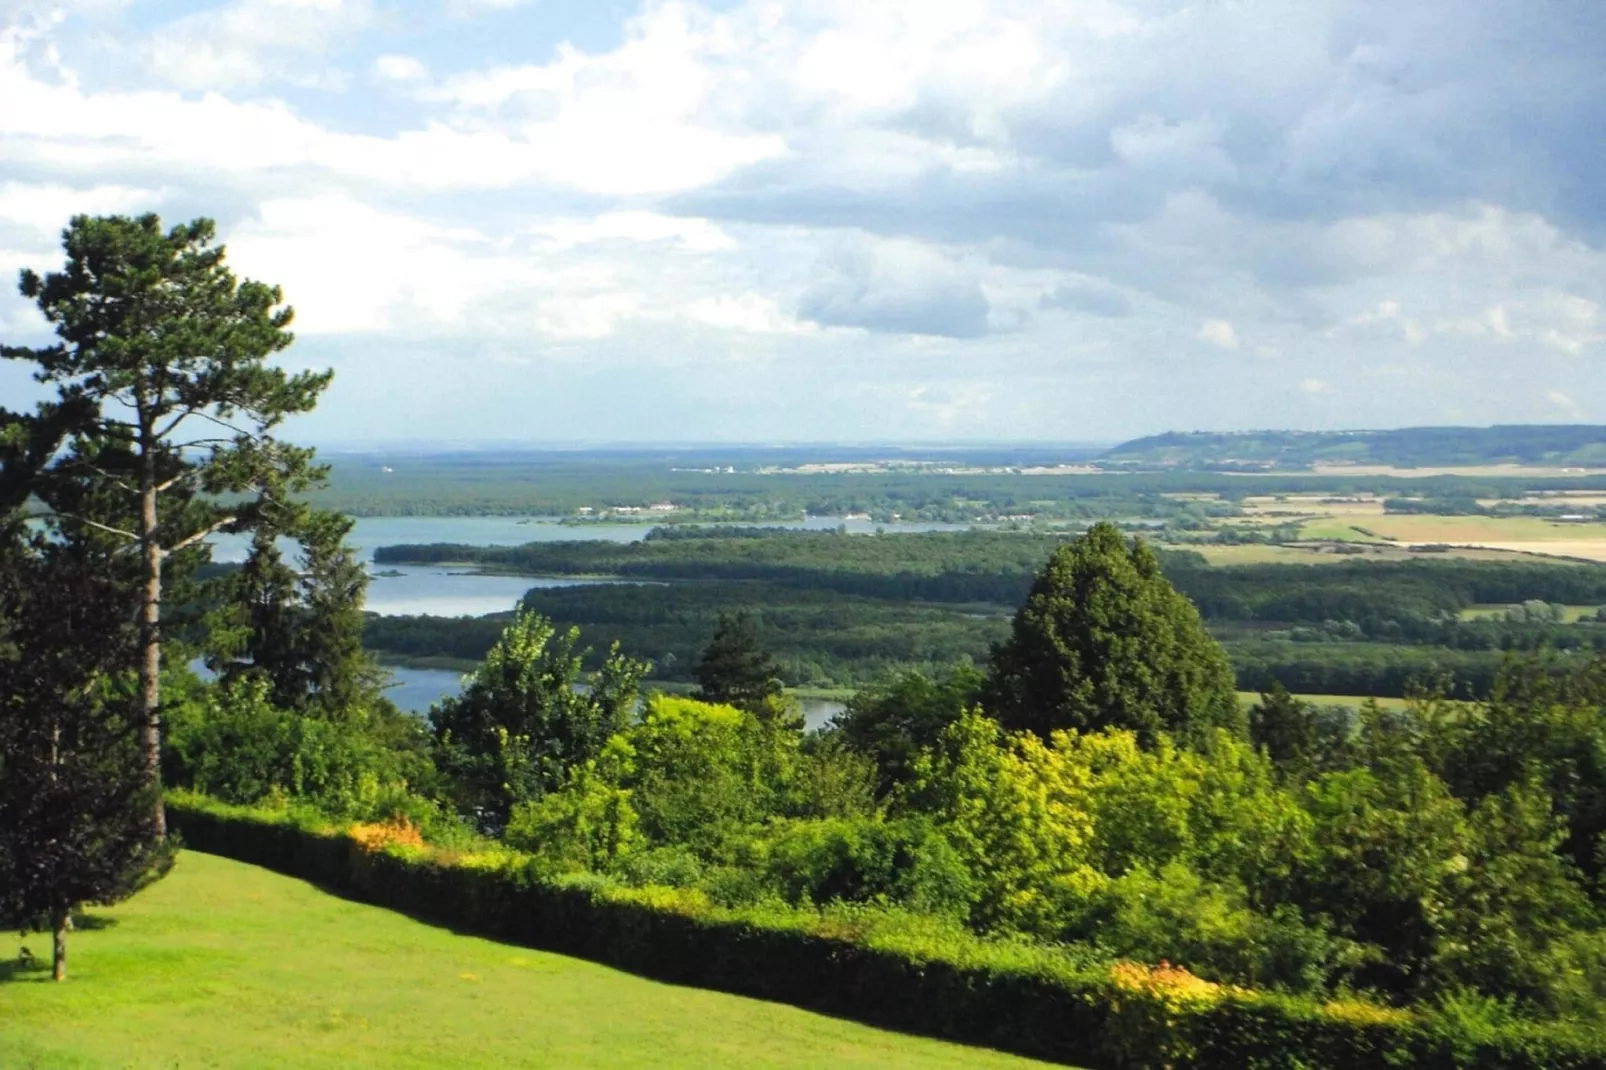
{"points": [[415, 690], [455, 592], [445, 591]]}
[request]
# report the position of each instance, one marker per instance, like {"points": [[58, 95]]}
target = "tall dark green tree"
{"points": [[299, 627], [77, 821], [162, 359], [1104, 641], [734, 668]]}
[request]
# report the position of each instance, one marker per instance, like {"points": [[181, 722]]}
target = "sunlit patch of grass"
{"points": [[228, 965]]}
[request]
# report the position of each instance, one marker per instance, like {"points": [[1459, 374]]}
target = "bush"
{"points": [[233, 744], [868, 860]]}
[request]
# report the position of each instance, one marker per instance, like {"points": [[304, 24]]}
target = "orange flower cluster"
{"points": [[1173, 984], [376, 837]]}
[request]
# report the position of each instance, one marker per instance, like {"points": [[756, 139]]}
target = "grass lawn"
{"points": [[227, 965]]}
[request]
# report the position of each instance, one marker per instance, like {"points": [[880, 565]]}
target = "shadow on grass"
{"points": [[90, 923], [21, 970]]}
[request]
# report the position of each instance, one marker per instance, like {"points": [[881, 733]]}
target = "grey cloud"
{"points": [[897, 291], [1287, 116]]}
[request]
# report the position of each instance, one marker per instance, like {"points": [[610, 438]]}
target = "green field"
{"points": [[1250, 698], [227, 965], [1569, 614]]}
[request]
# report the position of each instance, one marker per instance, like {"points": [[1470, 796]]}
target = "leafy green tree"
{"points": [[1104, 641], [161, 357], [1538, 725], [734, 668], [894, 722], [528, 716], [77, 822]]}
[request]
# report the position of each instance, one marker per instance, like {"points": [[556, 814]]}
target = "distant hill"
{"points": [[1560, 445]]}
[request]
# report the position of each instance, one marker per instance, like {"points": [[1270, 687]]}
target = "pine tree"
{"points": [[161, 365], [77, 820], [300, 628], [1104, 641], [734, 667]]}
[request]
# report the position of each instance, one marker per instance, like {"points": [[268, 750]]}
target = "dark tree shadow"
{"points": [[90, 923], [13, 968]]}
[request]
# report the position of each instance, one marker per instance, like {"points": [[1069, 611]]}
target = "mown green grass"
{"points": [[228, 965]]}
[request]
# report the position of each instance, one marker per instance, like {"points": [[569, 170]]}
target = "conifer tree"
{"points": [[734, 667], [1104, 641], [161, 364], [77, 823]]}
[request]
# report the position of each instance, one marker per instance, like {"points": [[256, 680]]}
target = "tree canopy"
{"points": [[1104, 641], [734, 668]]}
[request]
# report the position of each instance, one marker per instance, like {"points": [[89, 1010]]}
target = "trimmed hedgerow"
{"points": [[908, 972]]}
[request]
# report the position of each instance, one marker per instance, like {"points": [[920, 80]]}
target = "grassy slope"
{"points": [[227, 965]]}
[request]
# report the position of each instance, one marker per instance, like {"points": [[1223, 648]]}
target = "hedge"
{"points": [[1030, 1000]]}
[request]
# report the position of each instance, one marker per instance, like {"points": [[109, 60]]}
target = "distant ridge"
{"points": [[1550, 445]]}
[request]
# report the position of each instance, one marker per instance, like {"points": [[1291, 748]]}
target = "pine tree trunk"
{"points": [[150, 636], [58, 921]]}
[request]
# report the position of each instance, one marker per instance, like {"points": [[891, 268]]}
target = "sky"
{"points": [[856, 220]]}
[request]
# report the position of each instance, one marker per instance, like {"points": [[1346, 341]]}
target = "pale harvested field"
{"points": [[1584, 549], [1311, 505], [1312, 555], [1517, 534], [1557, 499]]}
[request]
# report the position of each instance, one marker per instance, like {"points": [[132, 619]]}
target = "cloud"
{"points": [[896, 288], [634, 226], [396, 68], [247, 42], [1025, 210], [1219, 333], [1090, 296], [1564, 403], [45, 208], [1315, 386]]}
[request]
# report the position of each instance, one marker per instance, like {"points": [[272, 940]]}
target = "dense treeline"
{"points": [[1385, 590], [997, 567], [820, 638]]}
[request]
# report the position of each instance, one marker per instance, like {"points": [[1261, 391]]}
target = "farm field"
{"points": [[1516, 534], [228, 965], [1569, 614]]}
